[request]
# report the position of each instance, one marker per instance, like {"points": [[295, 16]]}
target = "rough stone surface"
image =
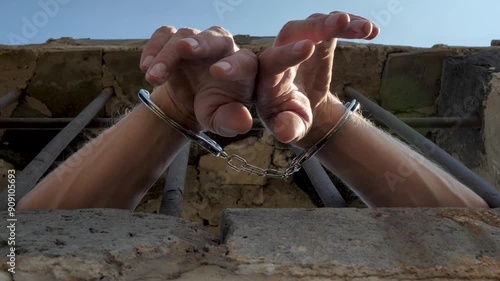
{"points": [[4, 168], [360, 66], [365, 244], [67, 81], [204, 203], [286, 244], [256, 151], [124, 65], [17, 67], [491, 130], [464, 88], [104, 245], [411, 82]]}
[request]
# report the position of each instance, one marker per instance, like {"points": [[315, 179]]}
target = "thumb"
{"points": [[291, 119]]}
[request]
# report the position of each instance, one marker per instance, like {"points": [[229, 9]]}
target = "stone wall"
{"points": [[257, 244], [60, 78]]}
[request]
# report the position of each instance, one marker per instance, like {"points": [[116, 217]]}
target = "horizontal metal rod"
{"points": [[41, 163], [22, 123], [327, 191], [442, 122], [429, 149], [173, 193], [25, 123], [9, 99]]}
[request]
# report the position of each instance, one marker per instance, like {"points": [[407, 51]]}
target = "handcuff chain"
{"points": [[239, 163]]}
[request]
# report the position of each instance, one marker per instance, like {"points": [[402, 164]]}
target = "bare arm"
{"points": [[112, 171], [205, 81], [385, 172], [294, 101]]}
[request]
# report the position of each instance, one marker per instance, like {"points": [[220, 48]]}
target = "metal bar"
{"points": [[430, 150], [36, 168], [443, 122], [324, 186], [22, 123], [9, 99], [171, 203]]}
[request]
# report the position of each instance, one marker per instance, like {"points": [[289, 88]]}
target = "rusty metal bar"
{"points": [[429, 149], [9, 99], [173, 193], [443, 122], [324, 186], [36, 168], [22, 123]]}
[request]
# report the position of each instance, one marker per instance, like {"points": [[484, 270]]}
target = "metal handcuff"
{"points": [[237, 162]]}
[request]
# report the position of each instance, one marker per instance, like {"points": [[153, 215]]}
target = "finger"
{"points": [[358, 29], [375, 33], [289, 127], [317, 29], [276, 60], [213, 42], [231, 119], [159, 38], [288, 117], [167, 59], [315, 16], [352, 16], [375, 28], [242, 65]]}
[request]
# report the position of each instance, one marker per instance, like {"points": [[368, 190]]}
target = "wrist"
{"points": [[184, 117], [325, 117]]}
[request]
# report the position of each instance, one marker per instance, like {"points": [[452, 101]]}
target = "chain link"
{"points": [[237, 162]]}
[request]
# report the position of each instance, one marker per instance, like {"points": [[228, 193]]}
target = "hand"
{"points": [[206, 81], [292, 94]]}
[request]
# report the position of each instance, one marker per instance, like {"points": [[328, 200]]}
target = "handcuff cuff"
{"points": [[237, 162]]}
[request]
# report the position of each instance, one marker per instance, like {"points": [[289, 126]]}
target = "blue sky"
{"points": [[404, 22]]}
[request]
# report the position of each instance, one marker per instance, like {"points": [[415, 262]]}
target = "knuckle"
{"points": [[289, 25], [248, 53], [286, 31], [220, 30], [186, 31], [315, 15], [166, 29], [219, 37]]}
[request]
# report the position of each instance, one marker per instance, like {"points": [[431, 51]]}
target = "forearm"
{"points": [[112, 171], [386, 173]]}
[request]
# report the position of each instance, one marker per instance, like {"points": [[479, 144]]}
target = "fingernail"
{"points": [[368, 28], [228, 132], [159, 70], [299, 46], [192, 42], [224, 65], [147, 61], [332, 20]]}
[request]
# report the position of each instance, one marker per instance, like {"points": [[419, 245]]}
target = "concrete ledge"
{"points": [[103, 245], [365, 243], [261, 244]]}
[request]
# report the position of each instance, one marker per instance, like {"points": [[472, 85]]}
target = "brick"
{"points": [[411, 82], [67, 81]]}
